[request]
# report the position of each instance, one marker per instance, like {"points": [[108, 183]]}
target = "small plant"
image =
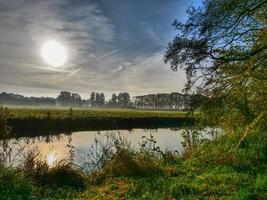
{"points": [[71, 156], [192, 138], [5, 134], [5, 130], [71, 112], [30, 159], [149, 147], [116, 157], [99, 153], [48, 114]]}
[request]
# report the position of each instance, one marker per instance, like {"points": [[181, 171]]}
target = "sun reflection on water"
{"points": [[51, 158]]}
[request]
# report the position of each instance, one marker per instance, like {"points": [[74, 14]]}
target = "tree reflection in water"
{"points": [[82, 148]]}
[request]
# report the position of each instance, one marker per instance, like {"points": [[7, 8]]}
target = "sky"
{"points": [[112, 46]]}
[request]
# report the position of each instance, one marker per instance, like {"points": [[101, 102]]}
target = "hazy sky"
{"points": [[112, 45]]}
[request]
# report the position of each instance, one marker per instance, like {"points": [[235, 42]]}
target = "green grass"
{"points": [[41, 121], [221, 169], [61, 113]]}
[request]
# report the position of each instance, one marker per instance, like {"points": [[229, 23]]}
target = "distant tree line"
{"points": [[20, 100], [173, 100], [69, 99], [97, 99], [122, 100], [66, 98]]}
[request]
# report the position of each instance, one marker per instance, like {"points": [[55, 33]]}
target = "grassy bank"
{"points": [[227, 168], [56, 113], [40, 121]]}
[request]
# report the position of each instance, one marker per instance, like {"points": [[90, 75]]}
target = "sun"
{"points": [[54, 53]]}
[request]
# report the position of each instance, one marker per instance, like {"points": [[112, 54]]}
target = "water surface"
{"points": [[79, 144]]}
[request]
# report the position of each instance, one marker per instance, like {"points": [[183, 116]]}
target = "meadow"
{"points": [[34, 121], [64, 112]]}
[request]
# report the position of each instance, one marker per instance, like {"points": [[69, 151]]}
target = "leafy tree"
{"points": [[101, 101], [223, 44], [76, 99], [69, 99], [64, 98], [124, 99], [92, 99], [173, 100], [113, 102], [114, 99], [97, 99]]}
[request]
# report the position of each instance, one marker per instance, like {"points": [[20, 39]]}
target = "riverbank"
{"points": [[227, 168], [41, 121]]}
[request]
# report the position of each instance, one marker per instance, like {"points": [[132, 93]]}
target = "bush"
{"points": [[15, 185], [127, 164], [65, 176], [261, 185]]}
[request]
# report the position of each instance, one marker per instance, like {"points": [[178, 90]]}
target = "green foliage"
{"points": [[54, 177], [224, 44], [60, 182], [119, 159], [126, 164], [261, 185], [191, 139], [65, 176], [15, 185], [214, 170]]}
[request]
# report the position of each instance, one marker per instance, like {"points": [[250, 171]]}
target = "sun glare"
{"points": [[54, 53], [51, 158]]}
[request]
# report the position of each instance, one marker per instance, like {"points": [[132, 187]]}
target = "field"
{"points": [[56, 113], [42, 121]]}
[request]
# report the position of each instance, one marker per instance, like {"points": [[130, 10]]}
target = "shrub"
{"points": [[127, 164], [261, 185], [15, 185], [66, 176]]}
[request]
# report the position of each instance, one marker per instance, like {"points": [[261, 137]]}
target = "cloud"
{"points": [[149, 73], [107, 54], [111, 46], [119, 68], [26, 25], [79, 27]]}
